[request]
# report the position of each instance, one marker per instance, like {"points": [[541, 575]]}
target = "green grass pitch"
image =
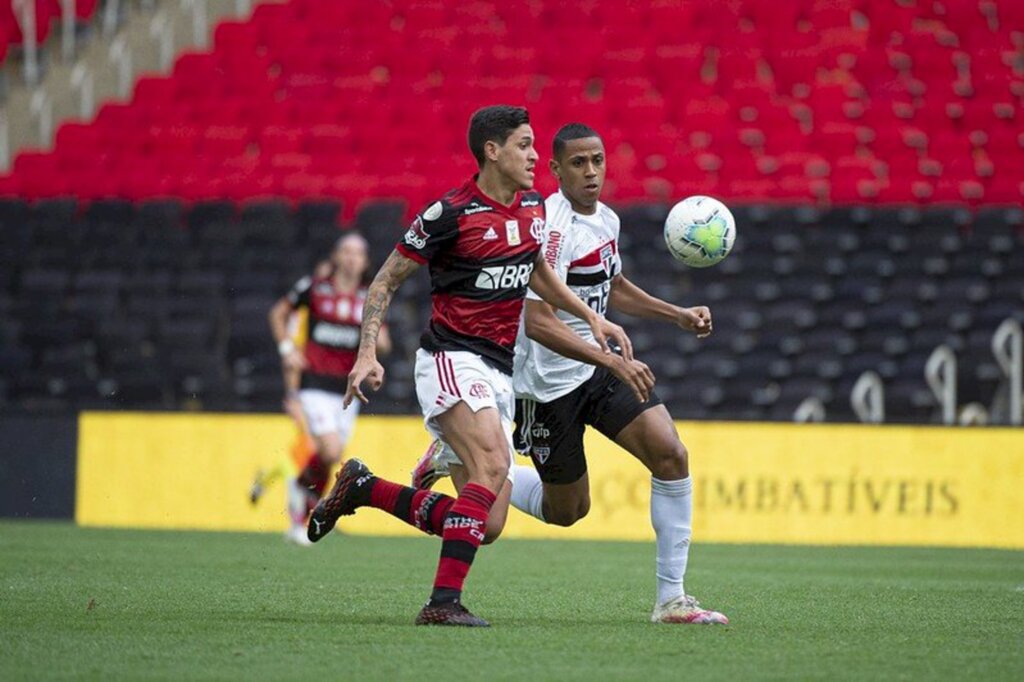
{"points": [[131, 605]]}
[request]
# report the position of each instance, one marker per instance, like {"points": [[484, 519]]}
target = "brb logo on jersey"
{"points": [[504, 277]]}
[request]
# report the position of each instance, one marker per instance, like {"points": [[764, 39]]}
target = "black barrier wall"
{"points": [[37, 466]]}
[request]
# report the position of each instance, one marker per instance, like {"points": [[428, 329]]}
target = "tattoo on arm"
{"points": [[391, 275]]}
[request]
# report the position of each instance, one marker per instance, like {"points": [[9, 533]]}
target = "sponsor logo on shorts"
{"points": [[540, 431], [479, 390]]}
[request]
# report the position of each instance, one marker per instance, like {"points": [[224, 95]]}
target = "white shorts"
{"points": [[446, 378], [325, 413]]}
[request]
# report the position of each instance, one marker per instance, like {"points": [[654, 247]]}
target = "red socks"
{"points": [[460, 523], [314, 475], [422, 509], [463, 532]]}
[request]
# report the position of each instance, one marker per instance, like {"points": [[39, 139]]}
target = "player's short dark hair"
{"points": [[571, 131], [494, 124]]}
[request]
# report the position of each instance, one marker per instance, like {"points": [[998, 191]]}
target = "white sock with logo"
{"points": [[528, 492], [671, 516]]}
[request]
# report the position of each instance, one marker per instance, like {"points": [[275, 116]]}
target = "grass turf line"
{"points": [[116, 604]]}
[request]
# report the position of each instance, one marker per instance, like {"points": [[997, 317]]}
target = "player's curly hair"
{"points": [[570, 131], [494, 124]]}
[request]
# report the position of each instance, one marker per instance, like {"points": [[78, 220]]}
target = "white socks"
{"points": [[671, 516], [528, 491]]}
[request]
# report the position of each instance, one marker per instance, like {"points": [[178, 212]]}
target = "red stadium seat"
{"points": [[841, 100]]}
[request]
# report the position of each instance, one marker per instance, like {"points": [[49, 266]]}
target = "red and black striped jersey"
{"points": [[333, 331], [481, 255]]}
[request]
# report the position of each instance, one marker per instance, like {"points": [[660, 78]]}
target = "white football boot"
{"points": [[686, 609], [431, 466]]}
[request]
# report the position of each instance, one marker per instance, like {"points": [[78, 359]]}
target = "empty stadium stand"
{"points": [[815, 101], [160, 305], [871, 151]]}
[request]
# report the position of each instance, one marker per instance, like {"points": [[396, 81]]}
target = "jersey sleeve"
{"points": [[433, 230], [298, 295]]}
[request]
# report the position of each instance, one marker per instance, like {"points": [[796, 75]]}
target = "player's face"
{"points": [[350, 257], [580, 170], [517, 158]]}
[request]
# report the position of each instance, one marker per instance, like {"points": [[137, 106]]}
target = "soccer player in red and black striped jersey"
{"points": [[482, 244], [334, 304]]}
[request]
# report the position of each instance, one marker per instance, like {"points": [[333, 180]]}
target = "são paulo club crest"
{"points": [[607, 258]]}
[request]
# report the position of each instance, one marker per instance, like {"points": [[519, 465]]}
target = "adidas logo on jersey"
{"points": [[490, 235], [504, 277]]}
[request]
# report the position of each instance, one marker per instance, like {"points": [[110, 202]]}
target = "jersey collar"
{"points": [[497, 206]]}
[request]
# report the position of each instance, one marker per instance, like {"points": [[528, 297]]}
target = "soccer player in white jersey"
{"points": [[564, 382]]}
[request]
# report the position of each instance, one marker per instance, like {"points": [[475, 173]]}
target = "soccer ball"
{"points": [[700, 231]]}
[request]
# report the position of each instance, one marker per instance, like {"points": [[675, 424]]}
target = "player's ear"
{"points": [[491, 149], [555, 168]]}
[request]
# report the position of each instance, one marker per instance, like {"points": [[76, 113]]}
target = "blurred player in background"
{"points": [[333, 301], [303, 446], [564, 382], [482, 243]]}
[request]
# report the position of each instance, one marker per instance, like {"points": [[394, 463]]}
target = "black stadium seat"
{"points": [[173, 300]]}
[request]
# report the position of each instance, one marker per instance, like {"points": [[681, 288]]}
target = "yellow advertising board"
{"points": [[754, 482]]}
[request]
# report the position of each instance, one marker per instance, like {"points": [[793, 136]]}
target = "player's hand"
{"points": [[609, 331], [697, 320], [635, 374], [365, 369], [294, 360]]}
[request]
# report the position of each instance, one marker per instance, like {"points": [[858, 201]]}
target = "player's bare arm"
{"points": [[542, 325], [626, 297], [384, 344], [396, 269], [546, 284], [291, 358]]}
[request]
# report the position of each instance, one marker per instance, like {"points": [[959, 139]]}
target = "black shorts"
{"points": [[552, 433]]}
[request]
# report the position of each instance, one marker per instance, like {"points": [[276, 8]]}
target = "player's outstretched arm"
{"points": [[546, 284], [292, 361], [542, 325], [396, 269], [630, 299]]}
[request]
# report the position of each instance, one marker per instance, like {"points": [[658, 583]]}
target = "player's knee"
{"points": [[671, 461], [493, 464], [329, 450], [330, 453], [567, 515]]}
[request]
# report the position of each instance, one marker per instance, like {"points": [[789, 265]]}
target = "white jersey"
{"points": [[583, 250]]}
